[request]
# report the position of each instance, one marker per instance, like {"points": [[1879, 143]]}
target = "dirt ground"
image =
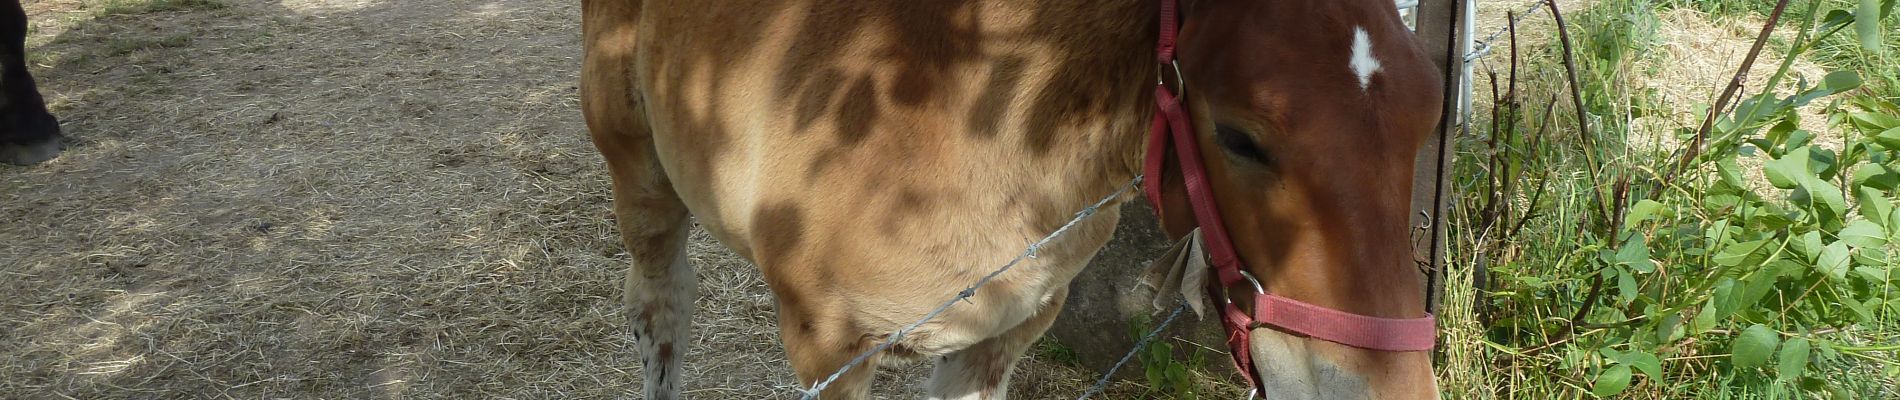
{"points": [[344, 199]]}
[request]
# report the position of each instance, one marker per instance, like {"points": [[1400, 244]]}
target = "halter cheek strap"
{"points": [[1172, 129]]}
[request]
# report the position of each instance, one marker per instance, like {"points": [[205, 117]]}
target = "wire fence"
{"points": [[1479, 49], [1029, 253], [1141, 344], [1483, 48]]}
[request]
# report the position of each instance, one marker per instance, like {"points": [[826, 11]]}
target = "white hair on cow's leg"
{"points": [[659, 299], [981, 371], [1363, 64]]}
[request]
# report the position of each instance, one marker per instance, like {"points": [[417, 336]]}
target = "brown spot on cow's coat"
{"points": [[910, 203], [911, 200], [817, 44], [778, 229], [986, 117], [643, 320], [815, 100], [822, 162], [857, 116], [1075, 96], [914, 86], [931, 37], [666, 353]]}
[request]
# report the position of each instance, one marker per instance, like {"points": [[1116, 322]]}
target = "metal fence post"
{"points": [[1443, 28]]}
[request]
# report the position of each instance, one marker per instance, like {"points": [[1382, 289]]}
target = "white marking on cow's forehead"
{"points": [[1363, 65]]}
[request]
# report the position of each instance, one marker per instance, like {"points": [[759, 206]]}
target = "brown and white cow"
{"points": [[874, 158]]}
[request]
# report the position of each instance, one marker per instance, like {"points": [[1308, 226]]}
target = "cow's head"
{"points": [[1309, 115]]}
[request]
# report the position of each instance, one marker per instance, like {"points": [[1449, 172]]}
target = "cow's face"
{"points": [[1310, 114]]}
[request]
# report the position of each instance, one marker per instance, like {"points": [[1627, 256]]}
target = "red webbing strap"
{"points": [[1158, 141], [1171, 121], [1387, 334], [1156, 157], [1170, 20]]}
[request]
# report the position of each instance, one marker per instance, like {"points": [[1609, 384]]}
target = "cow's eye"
{"points": [[1239, 145]]}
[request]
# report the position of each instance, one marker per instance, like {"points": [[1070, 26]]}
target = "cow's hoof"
{"points": [[31, 153]]}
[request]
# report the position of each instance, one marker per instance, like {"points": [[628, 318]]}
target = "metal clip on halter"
{"points": [[1257, 288], [1180, 81]]}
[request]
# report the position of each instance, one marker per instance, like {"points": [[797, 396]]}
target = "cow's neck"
{"points": [[1098, 102]]}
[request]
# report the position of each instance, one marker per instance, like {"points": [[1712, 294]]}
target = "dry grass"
{"points": [[341, 198], [1466, 368], [1697, 56], [1692, 58]]}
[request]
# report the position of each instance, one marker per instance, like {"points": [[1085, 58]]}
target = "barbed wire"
{"points": [[1143, 343], [1483, 47], [1029, 253]]}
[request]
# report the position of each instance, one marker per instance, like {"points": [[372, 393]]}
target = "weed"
{"points": [[1050, 350], [1605, 266], [1168, 377]]}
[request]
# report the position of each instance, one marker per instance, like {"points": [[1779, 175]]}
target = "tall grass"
{"points": [[1840, 51], [1623, 250]]}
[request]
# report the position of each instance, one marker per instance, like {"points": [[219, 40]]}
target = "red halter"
{"points": [[1171, 121]]}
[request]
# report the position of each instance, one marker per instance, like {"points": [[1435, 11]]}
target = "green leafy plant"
{"points": [[1053, 351], [1676, 271], [1168, 377]]}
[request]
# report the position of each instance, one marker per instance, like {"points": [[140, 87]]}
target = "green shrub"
{"points": [[1616, 272]]}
